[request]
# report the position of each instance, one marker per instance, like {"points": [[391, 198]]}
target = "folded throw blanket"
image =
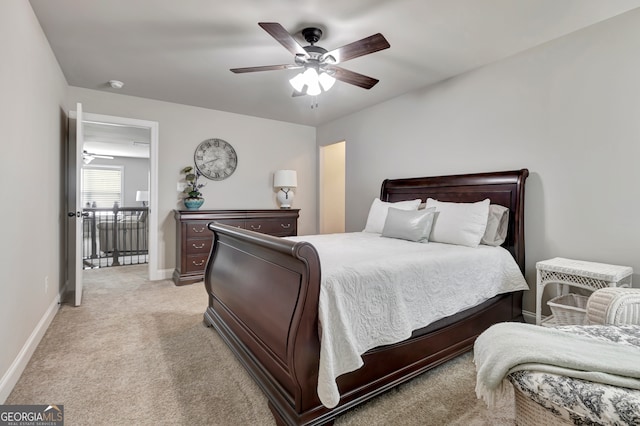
{"points": [[509, 347]]}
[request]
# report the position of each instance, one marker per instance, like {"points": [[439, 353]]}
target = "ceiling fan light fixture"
{"points": [[313, 82], [326, 81], [298, 82], [313, 85]]}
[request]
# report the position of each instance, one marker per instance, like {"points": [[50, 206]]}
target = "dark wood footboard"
{"points": [[263, 300]]}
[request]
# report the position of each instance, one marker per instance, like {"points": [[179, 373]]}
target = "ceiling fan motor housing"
{"points": [[311, 34]]}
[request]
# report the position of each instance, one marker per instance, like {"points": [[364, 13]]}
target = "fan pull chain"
{"points": [[314, 102]]}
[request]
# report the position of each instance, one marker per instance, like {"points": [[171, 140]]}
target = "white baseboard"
{"points": [[165, 274], [160, 274], [12, 375]]}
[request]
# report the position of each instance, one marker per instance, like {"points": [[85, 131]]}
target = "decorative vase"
{"points": [[193, 203]]}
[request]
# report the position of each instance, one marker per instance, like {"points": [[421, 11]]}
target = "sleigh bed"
{"points": [[264, 293]]}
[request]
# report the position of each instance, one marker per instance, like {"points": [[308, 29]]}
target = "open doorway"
{"points": [[115, 194], [129, 146], [332, 188]]}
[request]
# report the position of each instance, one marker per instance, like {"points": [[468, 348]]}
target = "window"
{"points": [[102, 185]]}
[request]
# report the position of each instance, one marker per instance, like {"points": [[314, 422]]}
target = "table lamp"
{"points": [[142, 196], [285, 180]]}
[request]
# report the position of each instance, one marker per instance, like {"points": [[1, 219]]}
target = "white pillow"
{"points": [[497, 225], [378, 213], [408, 225], [459, 223]]}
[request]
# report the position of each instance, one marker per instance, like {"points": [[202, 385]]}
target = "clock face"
{"points": [[215, 159]]}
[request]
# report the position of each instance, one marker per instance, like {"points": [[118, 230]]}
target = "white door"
{"points": [[74, 203]]}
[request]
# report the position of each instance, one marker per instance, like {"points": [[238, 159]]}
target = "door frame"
{"points": [[153, 272]]}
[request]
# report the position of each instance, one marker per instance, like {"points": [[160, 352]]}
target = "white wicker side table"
{"points": [[566, 273]]}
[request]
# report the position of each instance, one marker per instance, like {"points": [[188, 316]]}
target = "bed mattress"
{"points": [[375, 291]]}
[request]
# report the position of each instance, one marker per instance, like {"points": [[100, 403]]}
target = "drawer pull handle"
{"points": [[198, 230], [198, 247], [255, 228], [285, 225], [199, 263]]}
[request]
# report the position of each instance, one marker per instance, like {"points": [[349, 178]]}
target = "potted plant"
{"points": [[194, 199]]}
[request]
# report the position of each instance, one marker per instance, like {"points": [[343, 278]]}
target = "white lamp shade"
{"points": [[285, 179], [298, 82], [326, 81], [142, 195], [311, 83]]}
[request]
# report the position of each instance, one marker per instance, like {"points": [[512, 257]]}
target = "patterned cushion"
{"points": [[575, 401]]}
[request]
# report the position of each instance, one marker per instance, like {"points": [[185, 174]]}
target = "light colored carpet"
{"points": [[137, 353]]}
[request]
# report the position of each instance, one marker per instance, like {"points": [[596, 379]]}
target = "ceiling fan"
{"points": [[88, 157], [319, 66]]}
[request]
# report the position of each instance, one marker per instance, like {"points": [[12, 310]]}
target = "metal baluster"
{"points": [[115, 253]]}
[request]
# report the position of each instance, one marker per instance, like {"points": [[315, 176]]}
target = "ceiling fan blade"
{"points": [[265, 68], [295, 94], [351, 77], [283, 37], [358, 48]]}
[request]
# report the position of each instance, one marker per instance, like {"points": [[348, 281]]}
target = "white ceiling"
{"points": [[181, 51], [116, 140]]}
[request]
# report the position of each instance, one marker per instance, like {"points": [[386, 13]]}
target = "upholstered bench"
{"points": [[549, 399]]}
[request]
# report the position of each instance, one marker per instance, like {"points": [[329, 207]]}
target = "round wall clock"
{"points": [[215, 159]]}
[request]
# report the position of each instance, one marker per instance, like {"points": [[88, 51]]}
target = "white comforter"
{"points": [[376, 291]]}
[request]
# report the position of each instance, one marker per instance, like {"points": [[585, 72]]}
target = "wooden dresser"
{"points": [[194, 239]]}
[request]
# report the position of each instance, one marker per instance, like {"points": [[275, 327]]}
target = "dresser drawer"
{"points": [[283, 226], [197, 229], [196, 262], [199, 245], [238, 223]]}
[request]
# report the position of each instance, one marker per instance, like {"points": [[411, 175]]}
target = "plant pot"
{"points": [[193, 203]]}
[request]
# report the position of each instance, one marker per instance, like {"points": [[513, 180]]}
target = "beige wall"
{"points": [[332, 175], [569, 111], [263, 146], [31, 170]]}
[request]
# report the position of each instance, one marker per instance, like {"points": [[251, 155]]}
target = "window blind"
{"points": [[102, 186]]}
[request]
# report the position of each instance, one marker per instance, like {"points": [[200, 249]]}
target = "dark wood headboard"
{"points": [[504, 188]]}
